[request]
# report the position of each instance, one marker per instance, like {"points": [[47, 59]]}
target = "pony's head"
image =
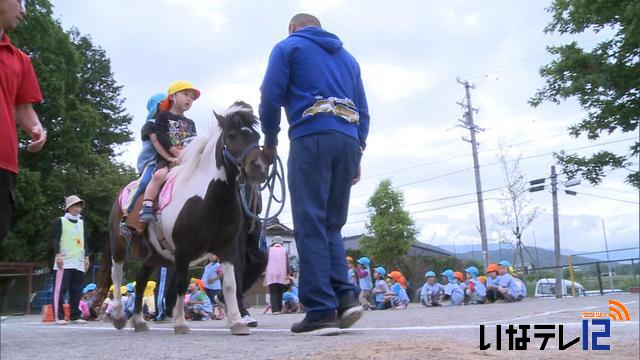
{"points": [[239, 140]]}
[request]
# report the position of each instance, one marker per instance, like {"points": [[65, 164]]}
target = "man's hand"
{"points": [[59, 261], [269, 153], [28, 121], [38, 138], [356, 177], [87, 264]]}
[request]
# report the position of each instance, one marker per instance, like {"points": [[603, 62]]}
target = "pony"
{"points": [[204, 216]]}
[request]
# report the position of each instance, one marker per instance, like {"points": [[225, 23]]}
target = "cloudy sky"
{"points": [[411, 54]]}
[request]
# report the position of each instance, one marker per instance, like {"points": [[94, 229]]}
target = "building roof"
{"points": [[417, 249], [276, 228]]}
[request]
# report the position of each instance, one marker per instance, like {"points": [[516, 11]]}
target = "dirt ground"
{"points": [[415, 333]]}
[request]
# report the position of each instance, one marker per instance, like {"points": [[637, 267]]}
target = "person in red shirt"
{"points": [[19, 90]]}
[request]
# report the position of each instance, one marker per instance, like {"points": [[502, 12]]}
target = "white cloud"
{"points": [[318, 8], [214, 11], [391, 82]]}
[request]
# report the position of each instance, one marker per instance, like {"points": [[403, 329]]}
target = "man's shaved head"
{"points": [[304, 20], [301, 21]]}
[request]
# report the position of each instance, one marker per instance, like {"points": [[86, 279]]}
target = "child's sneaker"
{"points": [[61, 322], [146, 214], [79, 321]]}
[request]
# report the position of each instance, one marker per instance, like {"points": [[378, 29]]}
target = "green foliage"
{"points": [[391, 229], [605, 80], [86, 122]]}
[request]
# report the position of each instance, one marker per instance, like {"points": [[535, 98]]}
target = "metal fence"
{"points": [[584, 279]]}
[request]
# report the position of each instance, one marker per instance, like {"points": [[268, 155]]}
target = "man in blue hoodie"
{"points": [[320, 86]]}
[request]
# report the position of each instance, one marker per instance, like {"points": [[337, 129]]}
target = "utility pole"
{"points": [[467, 123], [606, 248], [556, 233], [539, 186]]}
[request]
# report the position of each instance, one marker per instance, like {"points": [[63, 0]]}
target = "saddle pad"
{"points": [[126, 195], [166, 193]]}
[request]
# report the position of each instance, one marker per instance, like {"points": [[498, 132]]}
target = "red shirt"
{"points": [[18, 85]]}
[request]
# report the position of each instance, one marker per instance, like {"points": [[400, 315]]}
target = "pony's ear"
{"points": [[221, 119]]}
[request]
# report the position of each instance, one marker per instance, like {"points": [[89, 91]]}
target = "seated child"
{"points": [[381, 288], [476, 292], [492, 282], [460, 280], [398, 294], [151, 147], [431, 290], [198, 304], [290, 302], [130, 301], [453, 294], [510, 289], [88, 302], [148, 300]]}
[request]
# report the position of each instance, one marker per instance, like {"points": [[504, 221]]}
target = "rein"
{"points": [[250, 196]]}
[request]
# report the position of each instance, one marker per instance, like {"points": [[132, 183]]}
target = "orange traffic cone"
{"points": [[47, 313]]}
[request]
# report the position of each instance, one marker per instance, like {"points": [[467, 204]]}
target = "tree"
{"points": [[516, 213], [86, 122], [391, 231], [605, 80]]}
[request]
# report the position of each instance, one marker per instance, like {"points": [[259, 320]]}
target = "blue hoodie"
{"points": [[310, 67]]}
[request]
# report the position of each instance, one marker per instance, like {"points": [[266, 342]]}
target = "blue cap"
{"points": [[288, 296], [130, 288], [449, 274], [505, 263], [89, 287], [430, 274], [472, 270], [152, 104], [380, 270], [364, 261]]}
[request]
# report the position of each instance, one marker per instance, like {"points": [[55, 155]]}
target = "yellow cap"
{"points": [[181, 85]]}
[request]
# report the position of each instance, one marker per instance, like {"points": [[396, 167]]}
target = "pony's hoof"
{"points": [[119, 323], [240, 329], [181, 330], [140, 327]]}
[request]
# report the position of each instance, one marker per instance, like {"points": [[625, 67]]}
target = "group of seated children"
{"points": [[387, 294], [458, 289], [94, 311]]}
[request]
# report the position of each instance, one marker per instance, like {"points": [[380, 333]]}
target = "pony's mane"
{"points": [[240, 115]]}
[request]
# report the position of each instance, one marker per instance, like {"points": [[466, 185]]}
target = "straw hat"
{"points": [[72, 200]]}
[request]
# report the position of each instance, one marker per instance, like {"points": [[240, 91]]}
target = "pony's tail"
{"points": [[104, 276]]}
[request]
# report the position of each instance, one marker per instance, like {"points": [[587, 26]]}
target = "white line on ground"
{"points": [[406, 328]]}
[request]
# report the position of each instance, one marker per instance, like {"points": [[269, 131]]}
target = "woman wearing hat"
{"points": [[70, 239]]}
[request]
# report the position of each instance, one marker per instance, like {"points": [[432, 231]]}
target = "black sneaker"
{"points": [[327, 325]]}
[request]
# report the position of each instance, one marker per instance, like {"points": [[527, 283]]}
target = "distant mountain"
{"points": [[537, 256], [545, 257]]}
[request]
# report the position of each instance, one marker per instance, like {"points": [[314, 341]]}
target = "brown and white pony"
{"points": [[204, 216]]}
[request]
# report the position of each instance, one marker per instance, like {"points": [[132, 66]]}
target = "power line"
{"points": [[608, 198], [497, 163], [435, 200]]}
